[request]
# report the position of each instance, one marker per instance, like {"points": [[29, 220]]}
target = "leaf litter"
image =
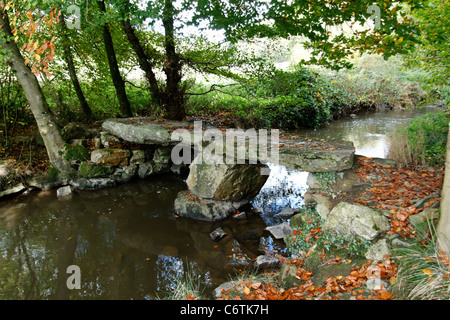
{"points": [[394, 191]]}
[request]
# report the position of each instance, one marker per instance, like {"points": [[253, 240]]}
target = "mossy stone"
{"points": [[92, 170]]}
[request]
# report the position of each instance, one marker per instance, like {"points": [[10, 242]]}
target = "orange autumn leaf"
{"points": [[256, 285], [428, 272], [385, 295]]}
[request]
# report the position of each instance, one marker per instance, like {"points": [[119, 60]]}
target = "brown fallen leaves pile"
{"points": [[394, 190], [330, 290]]}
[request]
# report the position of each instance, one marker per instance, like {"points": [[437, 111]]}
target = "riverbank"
{"points": [[376, 179], [408, 198]]}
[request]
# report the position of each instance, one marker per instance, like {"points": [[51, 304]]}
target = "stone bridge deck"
{"points": [[302, 154]]}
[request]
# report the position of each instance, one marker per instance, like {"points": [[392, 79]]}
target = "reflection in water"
{"points": [[370, 132], [126, 240], [284, 188]]}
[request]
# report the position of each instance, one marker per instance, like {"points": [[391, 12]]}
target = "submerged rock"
{"points": [[191, 206], [217, 234], [238, 259], [280, 230], [92, 184]]}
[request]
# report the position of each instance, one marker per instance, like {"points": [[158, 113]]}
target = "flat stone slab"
{"points": [[143, 130], [302, 154], [316, 155]]}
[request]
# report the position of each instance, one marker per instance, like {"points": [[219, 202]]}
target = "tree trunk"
{"points": [[443, 229], [72, 73], [45, 120], [117, 79], [174, 95], [144, 60]]}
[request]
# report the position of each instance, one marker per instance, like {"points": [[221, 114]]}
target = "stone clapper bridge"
{"points": [[228, 167]]}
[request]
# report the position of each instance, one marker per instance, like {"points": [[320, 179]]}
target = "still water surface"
{"points": [[126, 240]]}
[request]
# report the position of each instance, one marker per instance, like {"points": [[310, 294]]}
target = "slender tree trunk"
{"points": [[117, 79], [72, 73], [144, 60], [443, 229], [45, 120], [174, 95]]}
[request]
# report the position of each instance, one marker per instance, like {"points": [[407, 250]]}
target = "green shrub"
{"points": [[423, 141], [303, 98], [290, 99]]}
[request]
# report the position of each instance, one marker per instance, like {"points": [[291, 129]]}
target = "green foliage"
{"points": [[52, 174], [433, 52], [291, 100], [423, 141], [423, 270], [327, 180], [303, 98], [432, 55], [282, 99], [92, 170], [430, 131], [319, 22], [79, 153]]}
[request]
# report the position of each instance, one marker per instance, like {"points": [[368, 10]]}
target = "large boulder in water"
{"points": [[226, 182]]}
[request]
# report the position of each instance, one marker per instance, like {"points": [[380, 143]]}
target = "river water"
{"points": [[127, 241]]}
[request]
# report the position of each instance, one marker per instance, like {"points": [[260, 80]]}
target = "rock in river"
{"points": [[191, 206], [226, 182]]}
